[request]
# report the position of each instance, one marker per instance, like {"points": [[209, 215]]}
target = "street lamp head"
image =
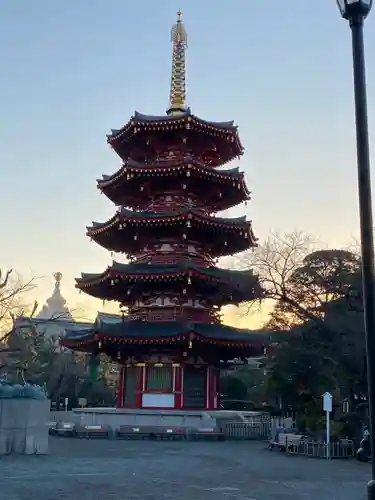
{"points": [[354, 8]]}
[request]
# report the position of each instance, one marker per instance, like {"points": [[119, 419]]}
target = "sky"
{"points": [[71, 71]]}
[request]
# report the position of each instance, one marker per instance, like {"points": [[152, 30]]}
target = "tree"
{"points": [[324, 276], [327, 285], [318, 303], [300, 280], [13, 292], [300, 370], [27, 354], [234, 392], [36, 359], [274, 262], [344, 327], [325, 353]]}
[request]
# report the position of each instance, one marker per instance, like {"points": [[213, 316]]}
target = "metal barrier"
{"points": [[246, 430], [337, 449]]}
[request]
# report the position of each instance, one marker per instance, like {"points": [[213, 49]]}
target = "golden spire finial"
{"points": [[58, 277], [177, 94]]}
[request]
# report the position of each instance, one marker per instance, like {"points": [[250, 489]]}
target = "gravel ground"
{"points": [[134, 470]]}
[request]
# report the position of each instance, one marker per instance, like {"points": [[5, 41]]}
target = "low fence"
{"points": [[255, 425], [337, 449], [246, 430]]}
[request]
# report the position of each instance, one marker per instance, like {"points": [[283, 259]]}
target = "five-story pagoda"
{"points": [[171, 344]]}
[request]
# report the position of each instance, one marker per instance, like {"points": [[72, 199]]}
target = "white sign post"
{"points": [[66, 404], [327, 407]]}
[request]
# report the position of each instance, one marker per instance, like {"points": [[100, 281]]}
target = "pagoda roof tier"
{"points": [[129, 231], [127, 282], [106, 336], [221, 138], [135, 183]]}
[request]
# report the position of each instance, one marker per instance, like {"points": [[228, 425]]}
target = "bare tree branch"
{"points": [[7, 275], [275, 261], [13, 292]]}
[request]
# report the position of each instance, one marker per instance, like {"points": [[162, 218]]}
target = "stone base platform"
{"points": [[202, 421]]}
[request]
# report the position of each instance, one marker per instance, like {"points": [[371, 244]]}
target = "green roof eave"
{"points": [[235, 276], [140, 118], [125, 214], [140, 330], [233, 173], [78, 335]]}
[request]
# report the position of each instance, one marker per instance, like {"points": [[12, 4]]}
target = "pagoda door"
{"points": [[130, 388], [194, 387]]}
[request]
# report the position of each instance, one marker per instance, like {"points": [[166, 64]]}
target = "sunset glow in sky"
{"points": [[73, 70]]}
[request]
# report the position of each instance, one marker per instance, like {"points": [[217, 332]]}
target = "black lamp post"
{"points": [[355, 11]]}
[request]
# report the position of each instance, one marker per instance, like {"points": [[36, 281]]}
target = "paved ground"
{"points": [[134, 470]]}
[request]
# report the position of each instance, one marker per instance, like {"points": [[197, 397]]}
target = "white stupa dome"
{"points": [[55, 306]]}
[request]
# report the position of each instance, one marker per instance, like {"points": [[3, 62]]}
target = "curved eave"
{"points": [[232, 344], [228, 286], [121, 187], [118, 271], [142, 120], [125, 217], [142, 333], [119, 233], [153, 119], [99, 227], [140, 123], [132, 168], [216, 246], [78, 335]]}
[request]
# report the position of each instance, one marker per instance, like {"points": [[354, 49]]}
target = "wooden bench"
{"points": [[286, 441], [170, 433], [134, 432], [150, 432], [64, 429], [347, 447], [93, 431], [206, 434]]}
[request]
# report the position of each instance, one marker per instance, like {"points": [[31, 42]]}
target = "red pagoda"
{"points": [[171, 344]]}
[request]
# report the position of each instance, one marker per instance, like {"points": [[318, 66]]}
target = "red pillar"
{"points": [[178, 387], [207, 388], [182, 369], [211, 384], [121, 388], [139, 390], [217, 387]]}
